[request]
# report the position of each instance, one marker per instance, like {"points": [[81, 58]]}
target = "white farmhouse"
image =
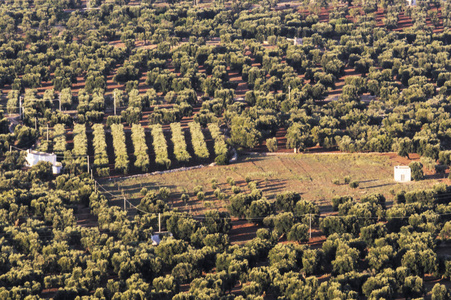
{"points": [[157, 237], [296, 41], [33, 157], [403, 174]]}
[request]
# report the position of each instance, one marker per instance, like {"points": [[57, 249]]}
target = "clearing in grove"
{"points": [[311, 175]]}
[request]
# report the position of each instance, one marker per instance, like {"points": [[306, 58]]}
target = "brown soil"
{"points": [[242, 231]]}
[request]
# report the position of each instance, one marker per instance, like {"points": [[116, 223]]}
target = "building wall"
{"points": [[403, 175], [34, 158]]}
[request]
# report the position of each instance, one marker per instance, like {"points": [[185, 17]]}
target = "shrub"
{"points": [[164, 193], [440, 169], [347, 179], [236, 189], [217, 192], [400, 197], [221, 160], [252, 185], [374, 198], [417, 170], [198, 189], [444, 157], [428, 163], [200, 196], [354, 184], [113, 120], [271, 144], [184, 198], [337, 200], [440, 292]]}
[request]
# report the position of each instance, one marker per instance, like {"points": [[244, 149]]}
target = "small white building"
{"points": [[33, 157], [296, 41], [411, 2], [403, 174], [157, 237]]}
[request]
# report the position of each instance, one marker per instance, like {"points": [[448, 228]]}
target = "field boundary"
{"points": [[165, 172]]}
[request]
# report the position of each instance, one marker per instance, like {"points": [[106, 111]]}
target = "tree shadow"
{"points": [[371, 180], [379, 185]]}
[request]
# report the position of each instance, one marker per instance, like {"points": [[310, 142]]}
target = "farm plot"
{"points": [[120, 150], [312, 175]]}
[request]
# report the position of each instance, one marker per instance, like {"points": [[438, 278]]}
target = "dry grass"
{"points": [[312, 175]]}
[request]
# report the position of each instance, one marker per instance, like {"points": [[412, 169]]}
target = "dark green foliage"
{"points": [[217, 222], [239, 204], [417, 170], [381, 257], [354, 184], [152, 203], [330, 225], [346, 259], [184, 272], [42, 171], [271, 144], [221, 160], [287, 201], [258, 210], [440, 292], [25, 136], [307, 212], [283, 222], [113, 120], [374, 198], [299, 232], [337, 200], [167, 249], [371, 233], [286, 257], [191, 55], [181, 227]]}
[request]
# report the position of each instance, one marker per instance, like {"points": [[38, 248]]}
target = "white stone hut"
{"points": [[403, 174], [33, 157]]}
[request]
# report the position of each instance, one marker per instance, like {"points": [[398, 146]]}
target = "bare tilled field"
{"points": [[311, 175], [308, 174]]}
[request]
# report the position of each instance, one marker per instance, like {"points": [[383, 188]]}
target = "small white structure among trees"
{"points": [[403, 174], [296, 41], [33, 157]]}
